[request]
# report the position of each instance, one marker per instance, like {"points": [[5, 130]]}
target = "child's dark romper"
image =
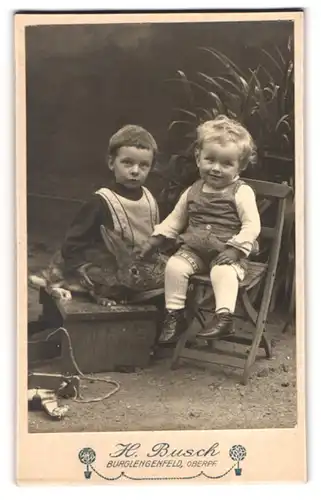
{"points": [[213, 220]]}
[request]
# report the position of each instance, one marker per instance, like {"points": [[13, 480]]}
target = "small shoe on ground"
{"points": [[174, 325], [220, 327]]}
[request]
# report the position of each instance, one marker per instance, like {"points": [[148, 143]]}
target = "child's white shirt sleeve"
{"points": [[250, 218], [176, 221]]}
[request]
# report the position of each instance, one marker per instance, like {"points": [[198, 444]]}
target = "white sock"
{"points": [[177, 274], [225, 286]]}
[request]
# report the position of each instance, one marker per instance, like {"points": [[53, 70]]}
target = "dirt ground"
{"points": [[190, 397]]}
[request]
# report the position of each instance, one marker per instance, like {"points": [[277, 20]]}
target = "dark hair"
{"points": [[132, 135]]}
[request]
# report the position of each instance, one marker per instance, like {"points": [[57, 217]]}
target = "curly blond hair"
{"points": [[224, 129]]}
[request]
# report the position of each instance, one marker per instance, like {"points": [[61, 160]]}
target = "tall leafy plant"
{"points": [[261, 98]]}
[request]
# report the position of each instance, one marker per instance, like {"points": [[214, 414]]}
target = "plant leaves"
{"points": [[210, 114], [232, 68], [280, 54], [200, 87], [261, 103], [276, 64], [246, 106], [186, 112], [178, 122], [228, 63], [232, 84], [187, 87], [273, 92], [283, 120], [220, 105], [213, 81]]}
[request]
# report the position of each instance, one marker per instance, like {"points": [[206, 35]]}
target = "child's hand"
{"points": [[150, 246], [146, 250], [228, 256]]}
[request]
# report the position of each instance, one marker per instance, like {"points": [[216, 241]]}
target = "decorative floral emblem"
{"points": [[87, 456], [238, 453]]}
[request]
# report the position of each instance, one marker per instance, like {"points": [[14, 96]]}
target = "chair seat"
{"points": [[255, 272]]}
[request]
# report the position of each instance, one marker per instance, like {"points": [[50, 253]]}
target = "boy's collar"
{"points": [[117, 185], [133, 194]]}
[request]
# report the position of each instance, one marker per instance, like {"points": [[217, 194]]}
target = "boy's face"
{"points": [[131, 166], [218, 163]]}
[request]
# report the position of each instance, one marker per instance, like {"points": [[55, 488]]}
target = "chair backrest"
{"points": [[271, 192], [278, 193], [269, 189]]}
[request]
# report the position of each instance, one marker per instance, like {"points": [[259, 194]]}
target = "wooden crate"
{"points": [[103, 339]]}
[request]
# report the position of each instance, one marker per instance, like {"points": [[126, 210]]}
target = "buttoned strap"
{"points": [[153, 207], [118, 213], [194, 190], [237, 185]]}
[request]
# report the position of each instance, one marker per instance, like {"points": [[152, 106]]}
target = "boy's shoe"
{"points": [[220, 327], [174, 324]]}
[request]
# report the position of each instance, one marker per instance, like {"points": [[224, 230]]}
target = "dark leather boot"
{"points": [[174, 324], [221, 326]]}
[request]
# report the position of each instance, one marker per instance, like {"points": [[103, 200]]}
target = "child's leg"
{"points": [[177, 274], [225, 282], [180, 267]]}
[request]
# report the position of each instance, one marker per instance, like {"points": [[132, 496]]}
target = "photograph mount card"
{"points": [[160, 234]]}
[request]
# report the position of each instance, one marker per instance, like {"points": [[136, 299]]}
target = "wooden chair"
{"points": [[259, 280]]}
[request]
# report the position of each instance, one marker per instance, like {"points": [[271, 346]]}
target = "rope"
{"points": [[86, 377]]}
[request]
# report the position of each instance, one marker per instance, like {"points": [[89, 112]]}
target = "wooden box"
{"points": [[102, 339]]}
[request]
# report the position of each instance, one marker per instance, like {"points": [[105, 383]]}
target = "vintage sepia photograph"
{"points": [[163, 180]]}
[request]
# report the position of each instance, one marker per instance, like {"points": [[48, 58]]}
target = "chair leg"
{"points": [[267, 293], [248, 307], [253, 351], [178, 349], [253, 315], [267, 346]]}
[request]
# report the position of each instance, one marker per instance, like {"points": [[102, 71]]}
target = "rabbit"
{"points": [[108, 277], [126, 275]]}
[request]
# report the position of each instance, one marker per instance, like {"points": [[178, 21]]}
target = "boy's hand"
{"points": [[146, 250], [228, 256], [150, 246]]}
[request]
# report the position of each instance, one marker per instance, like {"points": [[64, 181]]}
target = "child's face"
{"points": [[131, 166], [218, 163]]}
